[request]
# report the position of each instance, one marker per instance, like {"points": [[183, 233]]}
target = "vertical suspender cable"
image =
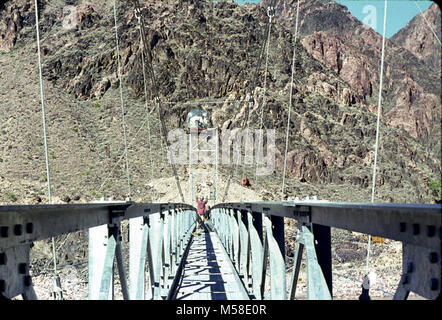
{"points": [[267, 44], [270, 14], [290, 103], [246, 141], [377, 129], [147, 107], [155, 94], [56, 289], [121, 100], [246, 121]]}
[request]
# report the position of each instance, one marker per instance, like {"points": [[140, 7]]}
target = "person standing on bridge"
{"points": [[201, 210]]}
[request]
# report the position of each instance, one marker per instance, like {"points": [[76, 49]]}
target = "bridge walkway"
{"points": [[208, 273]]}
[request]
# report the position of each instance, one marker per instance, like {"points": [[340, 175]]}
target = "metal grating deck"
{"points": [[208, 273]]}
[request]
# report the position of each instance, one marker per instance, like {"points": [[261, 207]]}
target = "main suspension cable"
{"points": [[428, 23]]}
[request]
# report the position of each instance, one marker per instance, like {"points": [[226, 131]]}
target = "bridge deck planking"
{"points": [[208, 274]]}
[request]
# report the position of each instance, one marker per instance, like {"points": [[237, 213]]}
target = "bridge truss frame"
{"points": [[158, 232], [253, 232]]}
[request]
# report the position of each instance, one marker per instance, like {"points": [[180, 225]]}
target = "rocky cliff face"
{"points": [[342, 43], [418, 38], [12, 16], [205, 51]]}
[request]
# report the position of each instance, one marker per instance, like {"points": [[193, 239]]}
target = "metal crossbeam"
{"points": [[208, 272], [40, 222]]}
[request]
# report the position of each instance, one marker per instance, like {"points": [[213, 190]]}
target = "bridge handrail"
{"points": [[40, 222], [418, 224]]}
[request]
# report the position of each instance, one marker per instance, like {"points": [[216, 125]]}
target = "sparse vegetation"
{"points": [[11, 196], [436, 189]]}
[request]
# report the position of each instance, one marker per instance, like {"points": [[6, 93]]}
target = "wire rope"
{"points": [[290, 102], [123, 119], [56, 289], [367, 264]]}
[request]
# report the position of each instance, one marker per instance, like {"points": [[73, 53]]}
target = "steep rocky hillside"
{"points": [[207, 51], [411, 89], [423, 44]]}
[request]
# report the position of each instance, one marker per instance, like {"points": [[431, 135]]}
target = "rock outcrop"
{"points": [[342, 43], [418, 37]]}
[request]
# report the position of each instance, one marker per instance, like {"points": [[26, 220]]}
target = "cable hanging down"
{"points": [[246, 122], [122, 101], [56, 291], [155, 96], [154, 197], [270, 14], [290, 103], [364, 294]]}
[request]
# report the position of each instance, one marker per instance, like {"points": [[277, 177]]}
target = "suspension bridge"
{"points": [[241, 255]]}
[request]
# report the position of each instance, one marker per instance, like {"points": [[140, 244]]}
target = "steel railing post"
{"points": [[275, 237], [235, 238], [257, 251], [322, 236], [244, 245], [317, 288], [166, 250], [156, 240]]}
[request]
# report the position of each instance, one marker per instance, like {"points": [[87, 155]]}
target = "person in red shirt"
{"points": [[201, 210], [245, 182]]}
